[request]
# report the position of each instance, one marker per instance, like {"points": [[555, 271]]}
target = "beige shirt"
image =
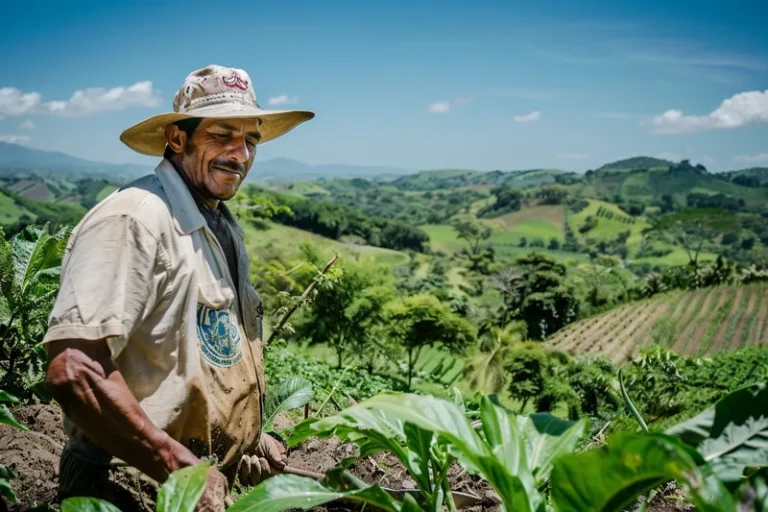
{"points": [[144, 271]]}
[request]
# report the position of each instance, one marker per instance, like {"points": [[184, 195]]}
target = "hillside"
{"points": [[283, 170], [699, 322], [457, 178], [637, 162], [753, 176], [648, 185]]}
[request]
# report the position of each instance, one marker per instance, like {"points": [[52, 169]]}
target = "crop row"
{"points": [[700, 322]]}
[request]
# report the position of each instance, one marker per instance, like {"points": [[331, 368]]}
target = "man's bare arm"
{"points": [[93, 394]]}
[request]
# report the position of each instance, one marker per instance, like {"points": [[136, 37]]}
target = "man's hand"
{"points": [[267, 460], [216, 489]]}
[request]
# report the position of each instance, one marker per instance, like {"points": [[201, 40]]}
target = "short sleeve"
{"points": [[112, 277]]}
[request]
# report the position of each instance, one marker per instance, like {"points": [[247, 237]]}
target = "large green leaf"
{"points": [[547, 437], [6, 491], [183, 489], [732, 434], [289, 394], [7, 398], [286, 491], [373, 431], [30, 257], [610, 478], [7, 271], [6, 418], [446, 420], [87, 505]]}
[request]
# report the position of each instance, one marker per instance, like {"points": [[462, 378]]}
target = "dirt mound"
{"points": [[33, 454]]}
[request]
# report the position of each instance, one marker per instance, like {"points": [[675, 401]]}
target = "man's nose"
{"points": [[238, 150]]}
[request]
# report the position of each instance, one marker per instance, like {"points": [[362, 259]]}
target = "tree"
{"points": [[508, 200], [596, 274], [527, 369], [552, 194], [535, 290], [471, 230], [367, 311], [692, 228], [485, 368], [422, 320], [334, 316]]}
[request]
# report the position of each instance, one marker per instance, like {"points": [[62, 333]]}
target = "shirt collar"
{"points": [[184, 208]]}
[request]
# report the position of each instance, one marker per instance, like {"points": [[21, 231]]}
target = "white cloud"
{"points": [[83, 102], [735, 112], [760, 157], [666, 155], [98, 99], [439, 107], [283, 99], [443, 106], [574, 156], [13, 102], [14, 139], [27, 125], [707, 160], [528, 118]]}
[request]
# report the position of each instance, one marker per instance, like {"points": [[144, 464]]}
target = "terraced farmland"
{"points": [[691, 323]]}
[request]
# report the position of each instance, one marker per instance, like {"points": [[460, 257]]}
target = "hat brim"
{"points": [[148, 136]]}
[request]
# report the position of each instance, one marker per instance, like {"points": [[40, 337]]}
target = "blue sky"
{"points": [[416, 84]]}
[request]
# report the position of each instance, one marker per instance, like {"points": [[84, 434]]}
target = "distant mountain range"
{"points": [[274, 170], [14, 156], [282, 170]]}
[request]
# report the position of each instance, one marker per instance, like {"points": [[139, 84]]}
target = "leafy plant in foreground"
{"points": [[29, 282], [529, 460]]}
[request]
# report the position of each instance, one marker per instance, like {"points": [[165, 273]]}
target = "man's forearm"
{"points": [[94, 395]]}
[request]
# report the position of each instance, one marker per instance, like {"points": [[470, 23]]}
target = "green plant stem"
{"points": [[631, 404], [448, 496], [330, 394]]}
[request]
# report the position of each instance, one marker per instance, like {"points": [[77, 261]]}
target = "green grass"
{"points": [[104, 192], [302, 189], [287, 240], [505, 243], [10, 212], [608, 229]]}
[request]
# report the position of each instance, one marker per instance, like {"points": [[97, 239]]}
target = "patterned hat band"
{"points": [[218, 98]]}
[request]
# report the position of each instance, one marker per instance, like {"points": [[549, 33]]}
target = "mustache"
{"points": [[229, 165]]}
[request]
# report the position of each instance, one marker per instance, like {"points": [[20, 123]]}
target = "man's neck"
{"points": [[200, 199]]}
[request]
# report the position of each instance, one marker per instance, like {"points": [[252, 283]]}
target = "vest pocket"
{"points": [[215, 294]]}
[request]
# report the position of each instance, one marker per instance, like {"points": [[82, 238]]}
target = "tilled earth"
{"points": [[34, 456]]}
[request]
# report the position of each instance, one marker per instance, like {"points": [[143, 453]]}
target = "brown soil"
{"points": [[692, 345], [758, 338], [33, 454], [736, 341], [694, 321]]}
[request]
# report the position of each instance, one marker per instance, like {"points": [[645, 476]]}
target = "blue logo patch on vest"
{"points": [[218, 338]]}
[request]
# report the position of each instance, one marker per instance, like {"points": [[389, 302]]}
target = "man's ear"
{"points": [[175, 137]]}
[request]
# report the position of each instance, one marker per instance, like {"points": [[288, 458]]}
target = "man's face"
{"points": [[219, 154]]}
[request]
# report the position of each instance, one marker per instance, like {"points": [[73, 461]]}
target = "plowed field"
{"points": [[691, 323]]}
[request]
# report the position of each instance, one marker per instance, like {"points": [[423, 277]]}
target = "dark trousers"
{"points": [[86, 471]]}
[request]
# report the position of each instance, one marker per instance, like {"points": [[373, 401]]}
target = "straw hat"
{"points": [[213, 91]]}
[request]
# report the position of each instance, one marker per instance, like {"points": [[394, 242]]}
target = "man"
{"points": [[155, 339]]}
